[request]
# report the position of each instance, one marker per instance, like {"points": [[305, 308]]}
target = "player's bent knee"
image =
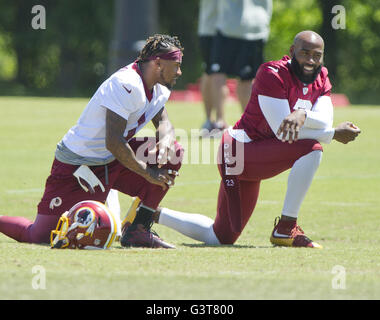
{"points": [[40, 230], [39, 236], [211, 238], [315, 145], [226, 238]]}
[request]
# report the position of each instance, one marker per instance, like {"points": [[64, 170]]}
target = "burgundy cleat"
{"points": [[138, 236]]}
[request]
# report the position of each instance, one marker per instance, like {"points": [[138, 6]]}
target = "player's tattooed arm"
{"points": [[165, 136], [116, 144]]}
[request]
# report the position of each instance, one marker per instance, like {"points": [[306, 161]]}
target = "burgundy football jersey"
{"points": [[276, 79]]}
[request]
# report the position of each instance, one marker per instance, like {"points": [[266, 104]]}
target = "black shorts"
{"points": [[205, 43], [236, 57]]}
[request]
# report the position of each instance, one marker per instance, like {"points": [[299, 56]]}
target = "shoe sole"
{"points": [[288, 242], [161, 245], [157, 243]]}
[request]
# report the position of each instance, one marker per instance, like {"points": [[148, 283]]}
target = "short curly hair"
{"points": [[157, 44]]}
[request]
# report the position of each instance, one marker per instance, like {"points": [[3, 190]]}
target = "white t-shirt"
{"points": [[245, 19], [208, 15], [124, 93]]}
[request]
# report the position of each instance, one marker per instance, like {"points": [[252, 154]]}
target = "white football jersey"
{"points": [[124, 93]]}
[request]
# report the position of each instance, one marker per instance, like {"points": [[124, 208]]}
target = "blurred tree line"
{"points": [[71, 56]]}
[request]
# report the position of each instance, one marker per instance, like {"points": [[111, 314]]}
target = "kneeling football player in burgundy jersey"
{"points": [[289, 115]]}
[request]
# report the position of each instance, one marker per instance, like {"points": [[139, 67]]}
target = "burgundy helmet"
{"points": [[87, 225]]}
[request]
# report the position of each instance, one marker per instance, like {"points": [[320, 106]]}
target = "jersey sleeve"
{"points": [[120, 97], [269, 82], [326, 85], [322, 114], [322, 135], [274, 110]]}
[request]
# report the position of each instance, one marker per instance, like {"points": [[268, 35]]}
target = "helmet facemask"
{"points": [[58, 239]]}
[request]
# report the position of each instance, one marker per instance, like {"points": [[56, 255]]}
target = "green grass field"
{"points": [[341, 212]]}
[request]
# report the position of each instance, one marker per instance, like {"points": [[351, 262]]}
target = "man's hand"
{"points": [[346, 132], [292, 124], [166, 150], [160, 176], [116, 144]]}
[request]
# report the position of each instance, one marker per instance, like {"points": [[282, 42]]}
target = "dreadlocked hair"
{"points": [[157, 44]]}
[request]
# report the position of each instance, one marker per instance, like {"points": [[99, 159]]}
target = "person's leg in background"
{"points": [[243, 91], [250, 57], [206, 88], [221, 60]]}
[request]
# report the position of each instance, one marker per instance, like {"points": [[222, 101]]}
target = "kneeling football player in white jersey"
{"points": [[100, 152]]}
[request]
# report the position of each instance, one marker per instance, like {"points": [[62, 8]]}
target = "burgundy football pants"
{"points": [[62, 191], [238, 194]]}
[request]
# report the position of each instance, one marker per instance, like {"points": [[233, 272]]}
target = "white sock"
{"points": [[193, 225], [300, 177], [113, 204]]}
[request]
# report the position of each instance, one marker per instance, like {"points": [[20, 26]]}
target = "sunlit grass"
{"points": [[341, 212]]}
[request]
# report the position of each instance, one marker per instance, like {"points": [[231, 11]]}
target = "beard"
{"points": [[305, 78], [165, 83], [169, 86]]}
